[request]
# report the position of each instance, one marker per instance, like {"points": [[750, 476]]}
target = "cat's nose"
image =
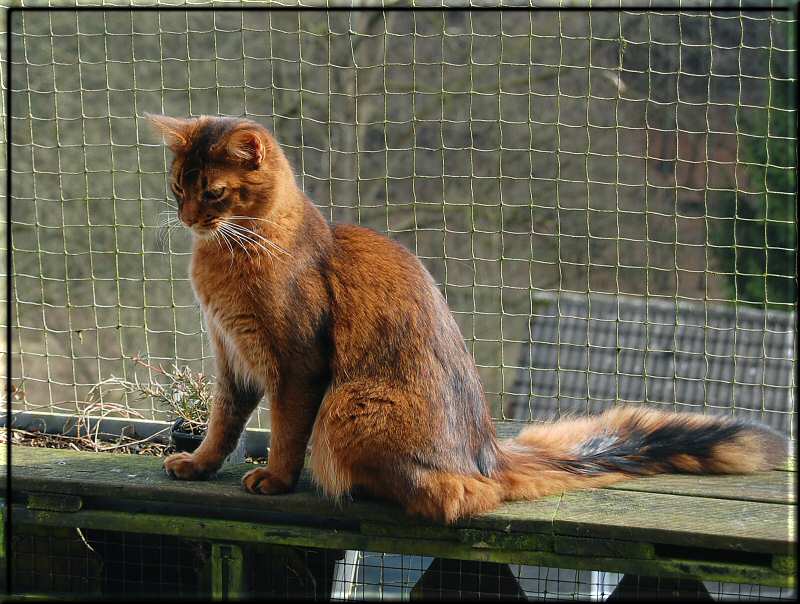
{"points": [[188, 216]]}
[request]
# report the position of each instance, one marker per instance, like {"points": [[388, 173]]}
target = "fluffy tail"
{"points": [[632, 441], [593, 452]]}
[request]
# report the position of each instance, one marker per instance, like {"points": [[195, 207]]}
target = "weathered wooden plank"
{"points": [[232, 531], [785, 564], [607, 548], [140, 479], [673, 519], [518, 517], [477, 538], [55, 503], [769, 487], [227, 572], [265, 533], [509, 429], [2, 535], [615, 514]]}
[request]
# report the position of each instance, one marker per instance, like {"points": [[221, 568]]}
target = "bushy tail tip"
{"points": [[631, 441], [637, 441]]}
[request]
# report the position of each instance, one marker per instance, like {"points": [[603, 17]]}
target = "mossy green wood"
{"points": [[767, 487], [54, 502], [141, 478], [227, 572], [473, 544], [672, 519], [608, 548], [582, 528], [244, 532], [747, 520]]}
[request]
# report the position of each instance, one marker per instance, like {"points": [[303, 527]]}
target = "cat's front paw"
{"points": [[185, 466], [263, 482]]}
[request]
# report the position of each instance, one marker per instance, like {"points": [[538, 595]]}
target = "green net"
{"points": [[606, 198]]}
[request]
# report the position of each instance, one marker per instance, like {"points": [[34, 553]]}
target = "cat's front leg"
{"points": [[232, 407], [291, 416]]}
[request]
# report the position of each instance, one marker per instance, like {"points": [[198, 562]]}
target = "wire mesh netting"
{"points": [[73, 561], [101, 563], [537, 162]]}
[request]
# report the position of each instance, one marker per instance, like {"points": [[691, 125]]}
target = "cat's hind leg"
{"points": [[448, 496], [335, 447], [366, 439]]}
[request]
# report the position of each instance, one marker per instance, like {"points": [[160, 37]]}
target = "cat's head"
{"points": [[223, 169]]}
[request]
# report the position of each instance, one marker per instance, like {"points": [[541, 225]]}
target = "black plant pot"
{"points": [[183, 440]]}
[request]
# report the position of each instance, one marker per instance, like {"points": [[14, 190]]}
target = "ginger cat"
{"points": [[347, 334]]}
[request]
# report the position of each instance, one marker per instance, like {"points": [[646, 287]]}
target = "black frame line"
{"points": [[789, 6]]}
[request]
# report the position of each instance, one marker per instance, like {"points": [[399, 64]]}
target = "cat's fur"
{"points": [[350, 338]]}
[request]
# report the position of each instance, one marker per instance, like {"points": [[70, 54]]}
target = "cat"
{"points": [[347, 334]]}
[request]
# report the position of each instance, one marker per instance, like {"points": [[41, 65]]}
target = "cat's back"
{"points": [[392, 325], [373, 264], [386, 306]]}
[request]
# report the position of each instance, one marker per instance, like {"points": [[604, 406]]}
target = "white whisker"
{"points": [[220, 238], [266, 240], [241, 235], [267, 220], [167, 221], [224, 238], [167, 218], [237, 239]]}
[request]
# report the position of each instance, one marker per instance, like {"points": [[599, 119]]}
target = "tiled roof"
{"points": [[588, 352]]}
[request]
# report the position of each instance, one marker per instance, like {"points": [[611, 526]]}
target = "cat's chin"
{"points": [[203, 234]]}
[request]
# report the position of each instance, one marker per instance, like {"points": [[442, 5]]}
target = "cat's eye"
{"points": [[214, 193]]}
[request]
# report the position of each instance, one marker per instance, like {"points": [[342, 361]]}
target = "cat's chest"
{"points": [[239, 308], [256, 310], [235, 301], [241, 328], [230, 287]]}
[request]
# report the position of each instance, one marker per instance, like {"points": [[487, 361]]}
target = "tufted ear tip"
{"points": [[247, 145], [175, 132]]}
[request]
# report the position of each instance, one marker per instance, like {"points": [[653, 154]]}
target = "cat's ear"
{"points": [[246, 145], [176, 132]]}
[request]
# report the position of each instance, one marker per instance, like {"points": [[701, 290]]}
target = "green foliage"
{"points": [[754, 235]]}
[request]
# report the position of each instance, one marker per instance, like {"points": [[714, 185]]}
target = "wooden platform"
{"points": [[737, 529]]}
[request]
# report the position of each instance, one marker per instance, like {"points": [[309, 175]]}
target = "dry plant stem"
{"points": [[75, 443], [185, 394]]}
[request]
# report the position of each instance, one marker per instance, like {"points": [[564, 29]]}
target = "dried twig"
{"points": [[82, 443], [185, 393]]}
